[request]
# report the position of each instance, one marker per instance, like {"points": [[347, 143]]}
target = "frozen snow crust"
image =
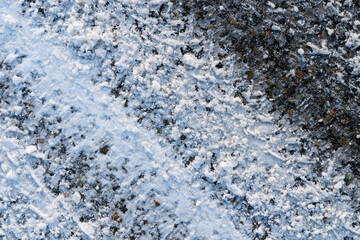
{"points": [[305, 54], [120, 121]]}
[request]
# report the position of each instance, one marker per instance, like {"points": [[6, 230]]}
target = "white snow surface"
{"points": [[75, 163], [65, 84]]}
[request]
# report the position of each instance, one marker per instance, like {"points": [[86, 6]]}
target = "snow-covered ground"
{"points": [[81, 158]]}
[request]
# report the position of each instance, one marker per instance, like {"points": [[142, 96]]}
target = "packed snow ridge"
{"points": [[118, 122]]}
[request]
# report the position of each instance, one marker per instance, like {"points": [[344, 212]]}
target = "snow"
{"points": [[65, 85], [355, 64], [30, 149], [330, 31], [77, 197], [79, 164], [272, 5], [323, 50], [191, 60], [353, 41]]}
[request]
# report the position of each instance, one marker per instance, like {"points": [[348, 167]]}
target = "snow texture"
{"points": [[117, 122]]}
